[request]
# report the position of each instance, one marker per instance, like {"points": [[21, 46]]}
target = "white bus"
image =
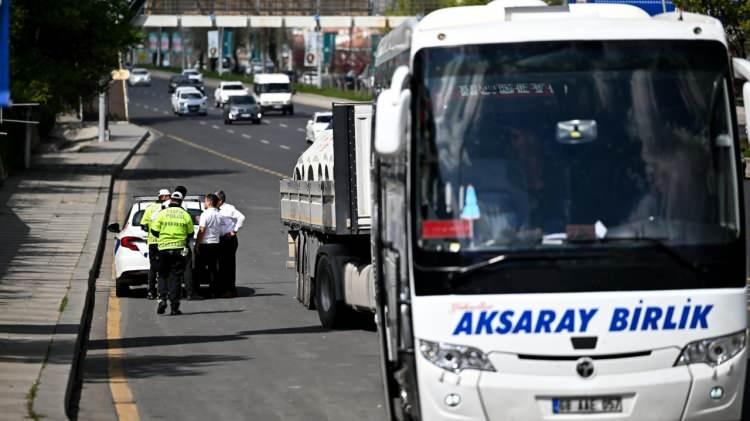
{"points": [[558, 219]]}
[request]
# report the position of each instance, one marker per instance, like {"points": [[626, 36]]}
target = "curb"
{"points": [[79, 310]]}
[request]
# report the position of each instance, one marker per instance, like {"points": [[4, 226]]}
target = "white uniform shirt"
{"points": [[232, 219], [211, 221]]}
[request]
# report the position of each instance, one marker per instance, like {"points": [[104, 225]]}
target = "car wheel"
{"points": [[256, 121], [229, 122], [122, 289], [331, 312], [291, 111]]}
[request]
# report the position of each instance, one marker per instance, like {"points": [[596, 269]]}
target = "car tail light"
{"points": [[130, 242]]}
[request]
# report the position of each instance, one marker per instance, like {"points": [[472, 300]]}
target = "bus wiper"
{"points": [[498, 260], [656, 242]]}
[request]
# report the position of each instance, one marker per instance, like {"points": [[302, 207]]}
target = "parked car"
{"points": [[138, 77], [310, 78], [193, 74], [188, 100], [319, 122], [242, 107], [227, 89], [131, 249]]}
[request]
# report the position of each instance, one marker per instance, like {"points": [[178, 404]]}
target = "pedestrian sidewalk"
{"points": [[311, 100], [53, 220]]}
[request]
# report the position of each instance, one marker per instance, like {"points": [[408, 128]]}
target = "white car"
{"points": [[139, 76], [193, 74], [131, 249], [189, 100], [319, 121], [227, 89]]}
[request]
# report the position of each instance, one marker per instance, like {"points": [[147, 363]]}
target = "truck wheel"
{"points": [[330, 311], [122, 289]]}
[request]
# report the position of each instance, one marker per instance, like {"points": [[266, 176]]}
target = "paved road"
{"points": [[261, 356]]}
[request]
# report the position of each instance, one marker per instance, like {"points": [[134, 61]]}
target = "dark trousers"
{"points": [[209, 263], [171, 268], [153, 269], [228, 263]]}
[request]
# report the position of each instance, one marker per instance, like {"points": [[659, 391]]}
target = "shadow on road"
{"points": [[145, 366], [152, 174]]}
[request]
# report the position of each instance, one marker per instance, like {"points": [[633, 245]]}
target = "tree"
{"points": [[734, 14], [61, 50]]}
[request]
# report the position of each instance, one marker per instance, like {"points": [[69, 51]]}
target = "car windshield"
{"points": [[270, 88], [323, 119], [139, 72], [190, 72], [242, 100], [232, 87], [195, 214], [191, 95], [547, 146]]}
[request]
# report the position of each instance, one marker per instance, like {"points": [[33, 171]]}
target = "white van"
{"points": [[274, 92]]}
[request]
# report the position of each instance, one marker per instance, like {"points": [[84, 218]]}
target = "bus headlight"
{"points": [[713, 351], [455, 357]]}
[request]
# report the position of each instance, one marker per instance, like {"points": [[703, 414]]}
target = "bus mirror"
{"points": [[746, 104], [390, 121], [391, 114]]}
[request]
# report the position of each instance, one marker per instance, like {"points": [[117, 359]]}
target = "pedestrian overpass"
{"points": [[269, 13]]}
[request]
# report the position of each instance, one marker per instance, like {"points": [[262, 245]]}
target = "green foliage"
{"points": [[734, 14], [61, 50], [334, 92]]}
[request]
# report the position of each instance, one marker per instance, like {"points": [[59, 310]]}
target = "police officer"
{"points": [[173, 226], [153, 249], [232, 221]]}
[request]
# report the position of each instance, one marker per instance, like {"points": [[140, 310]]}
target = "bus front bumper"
{"points": [[650, 388]]}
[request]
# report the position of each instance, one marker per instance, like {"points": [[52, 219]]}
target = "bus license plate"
{"points": [[596, 405]]}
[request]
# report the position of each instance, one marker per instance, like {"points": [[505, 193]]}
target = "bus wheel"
{"points": [[330, 311]]}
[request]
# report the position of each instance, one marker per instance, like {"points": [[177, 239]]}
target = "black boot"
{"points": [[175, 310], [162, 307]]}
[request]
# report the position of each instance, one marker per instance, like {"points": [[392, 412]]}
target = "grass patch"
{"points": [[334, 92], [30, 401], [63, 303]]}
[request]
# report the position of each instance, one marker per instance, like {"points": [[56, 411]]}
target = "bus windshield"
{"points": [[568, 146]]}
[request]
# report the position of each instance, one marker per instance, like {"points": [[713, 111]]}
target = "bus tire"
{"points": [[331, 311]]}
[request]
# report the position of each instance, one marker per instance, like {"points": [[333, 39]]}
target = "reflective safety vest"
{"points": [[148, 215], [174, 225]]}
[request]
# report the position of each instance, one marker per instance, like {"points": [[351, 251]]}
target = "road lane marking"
{"points": [[301, 130], [214, 126], [227, 157], [246, 136], [165, 112], [230, 131], [202, 123], [145, 107], [283, 125], [122, 395], [156, 109], [265, 122], [284, 147], [264, 141]]}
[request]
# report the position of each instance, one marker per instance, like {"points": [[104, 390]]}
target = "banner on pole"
{"points": [[153, 41], [4, 54], [176, 42], [313, 44], [164, 42], [213, 44]]}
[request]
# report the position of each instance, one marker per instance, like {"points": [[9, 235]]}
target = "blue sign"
{"points": [[652, 7], [227, 48], [4, 53]]}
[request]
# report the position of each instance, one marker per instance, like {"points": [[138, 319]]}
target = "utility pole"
{"points": [[318, 45]]}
